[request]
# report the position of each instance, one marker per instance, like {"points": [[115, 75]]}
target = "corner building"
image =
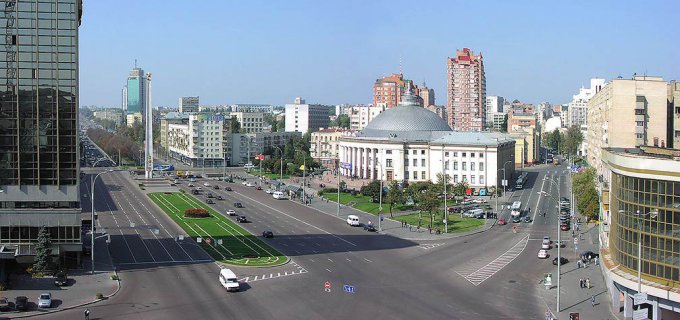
{"points": [[466, 91], [39, 156], [641, 206]]}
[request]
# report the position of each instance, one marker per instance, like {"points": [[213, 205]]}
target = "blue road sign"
{"points": [[349, 289]]}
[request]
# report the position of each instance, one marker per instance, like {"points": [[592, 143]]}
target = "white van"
{"points": [[516, 209], [353, 220], [475, 213], [279, 195], [228, 280]]}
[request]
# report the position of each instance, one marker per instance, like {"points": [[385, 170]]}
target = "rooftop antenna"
{"points": [[135, 63]]}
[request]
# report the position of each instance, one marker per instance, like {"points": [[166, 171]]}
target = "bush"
{"points": [[196, 213], [114, 277], [3, 286], [99, 296]]}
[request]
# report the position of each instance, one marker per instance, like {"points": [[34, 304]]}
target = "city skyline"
{"points": [[271, 53]]}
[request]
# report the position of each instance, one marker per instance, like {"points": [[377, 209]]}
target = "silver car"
{"points": [[45, 300]]}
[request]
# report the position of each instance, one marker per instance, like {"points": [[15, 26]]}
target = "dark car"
{"points": [[210, 195], [228, 189], [60, 279], [563, 261], [209, 201], [267, 234], [4, 304], [258, 188], [216, 187], [527, 219], [194, 191], [238, 205], [588, 255], [369, 227], [219, 198], [241, 219], [21, 303], [565, 227]]}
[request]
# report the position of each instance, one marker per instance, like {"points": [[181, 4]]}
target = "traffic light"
{"points": [[573, 316]]}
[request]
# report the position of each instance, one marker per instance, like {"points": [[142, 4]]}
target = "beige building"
{"points": [[674, 106], [115, 115], [527, 146], [324, 145], [251, 122], [466, 91], [133, 118], [628, 113]]}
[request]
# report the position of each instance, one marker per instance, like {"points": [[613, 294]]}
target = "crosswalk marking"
{"points": [[429, 246], [476, 277], [299, 270]]}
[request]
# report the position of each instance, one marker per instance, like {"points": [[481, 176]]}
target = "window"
{"points": [[472, 154], [422, 152], [422, 162], [455, 165], [481, 155], [446, 154], [464, 154], [481, 166], [388, 163], [415, 174], [481, 179], [415, 151], [464, 165], [446, 165], [455, 154], [472, 179], [455, 178], [405, 162], [464, 178], [415, 162], [472, 166], [406, 175], [422, 174], [388, 151]]}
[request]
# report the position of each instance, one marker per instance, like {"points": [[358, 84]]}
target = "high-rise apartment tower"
{"points": [[466, 91]]}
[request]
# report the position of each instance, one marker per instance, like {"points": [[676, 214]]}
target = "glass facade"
{"points": [[646, 210], [38, 93], [134, 97]]}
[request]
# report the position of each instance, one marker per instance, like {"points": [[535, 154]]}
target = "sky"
{"points": [[331, 52]]}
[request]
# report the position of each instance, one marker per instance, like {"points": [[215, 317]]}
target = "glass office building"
{"points": [[644, 209], [136, 98], [39, 155]]}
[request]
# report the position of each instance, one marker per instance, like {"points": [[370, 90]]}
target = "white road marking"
{"points": [[367, 260], [329, 259], [300, 270], [429, 246], [328, 270], [478, 276]]}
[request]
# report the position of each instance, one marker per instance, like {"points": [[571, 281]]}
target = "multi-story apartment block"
{"points": [[188, 104], [249, 107], [674, 106], [245, 146], [387, 91], [427, 95], [578, 107], [198, 141], [302, 117], [524, 125], [466, 91], [112, 114], [251, 122], [324, 145], [628, 113], [39, 156]]}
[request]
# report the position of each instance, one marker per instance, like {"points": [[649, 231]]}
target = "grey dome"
{"points": [[407, 116]]}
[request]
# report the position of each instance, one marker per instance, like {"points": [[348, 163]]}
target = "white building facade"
{"points": [[251, 122], [302, 117], [199, 141]]}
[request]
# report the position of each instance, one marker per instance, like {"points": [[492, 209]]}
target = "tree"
{"points": [[235, 125], [428, 202], [504, 124], [460, 188], [281, 124], [342, 121], [572, 140], [43, 251], [372, 189], [343, 186], [394, 195]]}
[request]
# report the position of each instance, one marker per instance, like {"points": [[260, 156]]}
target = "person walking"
{"points": [[580, 283], [592, 301], [87, 314], [588, 283]]}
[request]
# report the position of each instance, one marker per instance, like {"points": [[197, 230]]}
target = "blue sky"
{"points": [[331, 52]]}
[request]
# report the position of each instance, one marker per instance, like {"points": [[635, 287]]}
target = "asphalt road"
{"points": [[492, 275]]}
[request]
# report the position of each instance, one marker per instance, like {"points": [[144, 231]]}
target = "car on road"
{"points": [[192, 180], [60, 279], [210, 195], [228, 189], [191, 185], [269, 191], [527, 219], [219, 198], [267, 234], [229, 280], [209, 201], [238, 205], [258, 188], [241, 219], [479, 200], [231, 212], [542, 254], [369, 227], [21, 303], [195, 191], [244, 182], [502, 222], [565, 227], [563, 261], [545, 244], [588, 255], [516, 219], [4, 304], [206, 184], [45, 300], [216, 187], [248, 184]]}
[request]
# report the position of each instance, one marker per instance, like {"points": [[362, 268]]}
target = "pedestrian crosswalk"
{"points": [[479, 275], [297, 270], [429, 246]]}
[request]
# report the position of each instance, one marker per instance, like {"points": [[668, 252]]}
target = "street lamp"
{"points": [[559, 232], [446, 214], [281, 166], [304, 169], [504, 183], [92, 229], [380, 208]]}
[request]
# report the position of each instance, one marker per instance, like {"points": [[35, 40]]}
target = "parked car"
{"points": [[244, 182], [216, 187], [209, 201], [45, 300], [206, 184], [502, 222], [4, 304], [21, 303], [60, 279], [369, 227], [267, 234], [269, 191], [258, 188], [228, 189], [241, 219], [238, 205], [565, 227], [210, 195], [219, 198], [248, 184], [479, 200], [563, 261], [542, 254], [231, 212]]}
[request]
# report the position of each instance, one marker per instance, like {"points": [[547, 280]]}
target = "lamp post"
{"points": [[380, 208], [304, 169], [504, 183], [559, 232], [280, 166], [446, 213], [92, 183]]}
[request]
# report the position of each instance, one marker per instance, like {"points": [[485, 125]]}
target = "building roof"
{"points": [[177, 115], [407, 116], [474, 138]]}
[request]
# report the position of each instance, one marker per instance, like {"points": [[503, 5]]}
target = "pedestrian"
{"points": [[410, 228], [595, 260], [592, 301], [588, 283], [580, 282], [87, 314]]}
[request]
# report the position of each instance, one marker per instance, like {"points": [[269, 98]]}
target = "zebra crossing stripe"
{"points": [[480, 275]]}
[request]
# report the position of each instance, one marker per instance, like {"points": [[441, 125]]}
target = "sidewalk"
{"points": [[573, 298]]}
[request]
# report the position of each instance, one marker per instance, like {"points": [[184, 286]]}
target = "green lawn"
{"points": [[364, 203], [238, 246], [269, 175], [456, 223]]}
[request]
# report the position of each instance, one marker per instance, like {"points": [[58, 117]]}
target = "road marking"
{"points": [[164, 262], [429, 246], [480, 275], [367, 260], [538, 204], [348, 259], [300, 270], [329, 259], [328, 270]]}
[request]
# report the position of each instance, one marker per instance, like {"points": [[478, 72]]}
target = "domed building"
{"points": [[411, 143]]}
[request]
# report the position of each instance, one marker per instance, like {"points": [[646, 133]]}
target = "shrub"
{"points": [[99, 296], [114, 277], [3, 286], [196, 213]]}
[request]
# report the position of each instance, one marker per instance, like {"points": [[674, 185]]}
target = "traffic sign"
{"points": [[348, 289], [327, 285]]}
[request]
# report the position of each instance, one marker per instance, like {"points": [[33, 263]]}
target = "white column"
{"points": [[367, 167], [373, 175], [354, 161]]}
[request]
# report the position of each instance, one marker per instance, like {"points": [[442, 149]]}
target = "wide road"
{"points": [[492, 275]]}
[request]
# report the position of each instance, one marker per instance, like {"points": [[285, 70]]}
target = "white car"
{"points": [[192, 180], [479, 200], [542, 254], [206, 184], [546, 243], [244, 183], [231, 212], [249, 184], [269, 191], [45, 300]]}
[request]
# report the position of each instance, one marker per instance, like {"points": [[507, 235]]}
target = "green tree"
{"points": [[428, 201], [460, 188], [342, 121], [372, 189], [343, 186], [235, 125], [572, 140], [504, 124], [43, 251], [281, 124], [394, 195]]}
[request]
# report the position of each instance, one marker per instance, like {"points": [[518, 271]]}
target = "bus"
{"points": [[521, 180], [516, 209], [163, 167]]}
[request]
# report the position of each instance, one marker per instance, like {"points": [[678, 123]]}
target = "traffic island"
{"points": [[456, 224], [225, 241]]}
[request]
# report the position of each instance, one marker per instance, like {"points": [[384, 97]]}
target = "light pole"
{"points": [[559, 232], [92, 229], [504, 183], [281, 166], [304, 169], [444, 176], [380, 208]]}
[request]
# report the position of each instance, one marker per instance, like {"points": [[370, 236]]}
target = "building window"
{"points": [[481, 166], [481, 179], [446, 154], [415, 175], [464, 178], [481, 155], [422, 152], [415, 162], [406, 175], [464, 154], [422, 174], [455, 154], [472, 166], [455, 165], [464, 166], [415, 152], [446, 165], [422, 162], [455, 178], [472, 179], [472, 154], [388, 163], [388, 151]]}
